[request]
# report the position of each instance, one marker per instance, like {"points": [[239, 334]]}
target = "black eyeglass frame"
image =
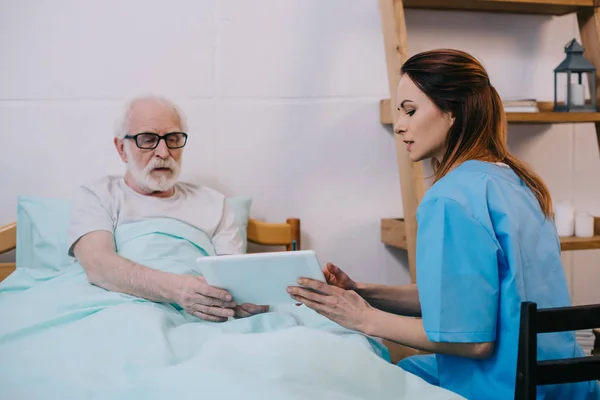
{"points": [[135, 138]]}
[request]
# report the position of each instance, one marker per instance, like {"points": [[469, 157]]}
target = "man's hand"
{"points": [[248, 310], [206, 302]]}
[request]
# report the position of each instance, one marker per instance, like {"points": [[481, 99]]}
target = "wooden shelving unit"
{"points": [[549, 7], [393, 233], [545, 116], [396, 51]]}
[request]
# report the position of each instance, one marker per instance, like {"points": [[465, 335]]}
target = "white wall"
{"points": [[282, 101]]}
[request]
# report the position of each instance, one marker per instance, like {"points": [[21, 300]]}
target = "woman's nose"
{"points": [[399, 127]]}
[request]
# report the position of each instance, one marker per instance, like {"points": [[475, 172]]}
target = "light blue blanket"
{"points": [[62, 338]]}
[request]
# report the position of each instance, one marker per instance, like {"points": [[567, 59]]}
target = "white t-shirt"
{"points": [[108, 202]]}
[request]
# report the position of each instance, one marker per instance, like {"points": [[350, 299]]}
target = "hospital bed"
{"points": [[61, 337], [259, 232]]}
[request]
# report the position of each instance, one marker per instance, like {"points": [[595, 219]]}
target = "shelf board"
{"points": [[579, 243], [545, 116], [546, 7], [393, 233], [552, 117]]}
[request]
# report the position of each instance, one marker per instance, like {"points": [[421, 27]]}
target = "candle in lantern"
{"points": [[577, 95]]}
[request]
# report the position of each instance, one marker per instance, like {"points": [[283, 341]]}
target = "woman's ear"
{"points": [[450, 119]]}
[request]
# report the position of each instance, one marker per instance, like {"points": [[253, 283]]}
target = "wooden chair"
{"points": [[275, 234], [531, 372], [262, 233]]}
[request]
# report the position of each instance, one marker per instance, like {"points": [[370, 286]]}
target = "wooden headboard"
{"points": [[263, 233]]}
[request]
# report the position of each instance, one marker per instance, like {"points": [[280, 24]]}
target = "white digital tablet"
{"points": [[260, 278]]}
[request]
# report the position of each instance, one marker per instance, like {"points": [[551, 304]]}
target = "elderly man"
{"points": [[150, 141]]}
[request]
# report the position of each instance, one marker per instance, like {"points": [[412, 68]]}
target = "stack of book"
{"points": [[520, 105], [585, 338]]}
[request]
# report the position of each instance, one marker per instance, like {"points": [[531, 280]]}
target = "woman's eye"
{"points": [[410, 112]]}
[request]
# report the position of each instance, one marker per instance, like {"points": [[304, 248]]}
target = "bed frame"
{"points": [[262, 233]]}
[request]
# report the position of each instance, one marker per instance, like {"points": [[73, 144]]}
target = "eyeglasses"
{"points": [[149, 141]]}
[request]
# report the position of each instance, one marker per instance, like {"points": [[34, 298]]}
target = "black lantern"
{"points": [[574, 66]]}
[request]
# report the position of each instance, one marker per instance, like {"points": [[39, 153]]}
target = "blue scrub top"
{"points": [[483, 247]]}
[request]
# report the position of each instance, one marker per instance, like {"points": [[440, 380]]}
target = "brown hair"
{"points": [[458, 84]]}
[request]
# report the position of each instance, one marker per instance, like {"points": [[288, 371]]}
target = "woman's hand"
{"points": [[342, 306], [206, 302], [336, 277]]}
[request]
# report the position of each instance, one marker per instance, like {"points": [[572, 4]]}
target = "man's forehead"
{"points": [[151, 107], [149, 112]]}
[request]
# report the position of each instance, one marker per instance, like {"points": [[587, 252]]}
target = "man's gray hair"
{"points": [[122, 126]]}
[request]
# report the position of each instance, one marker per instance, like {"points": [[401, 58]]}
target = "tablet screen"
{"points": [[261, 278]]}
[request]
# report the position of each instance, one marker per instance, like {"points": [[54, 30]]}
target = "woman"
{"points": [[485, 243]]}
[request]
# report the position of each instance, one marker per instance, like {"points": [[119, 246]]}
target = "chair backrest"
{"points": [[531, 372], [275, 234]]}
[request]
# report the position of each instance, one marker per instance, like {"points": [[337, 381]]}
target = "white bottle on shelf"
{"points": [[564, 218], [584, 224]]}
